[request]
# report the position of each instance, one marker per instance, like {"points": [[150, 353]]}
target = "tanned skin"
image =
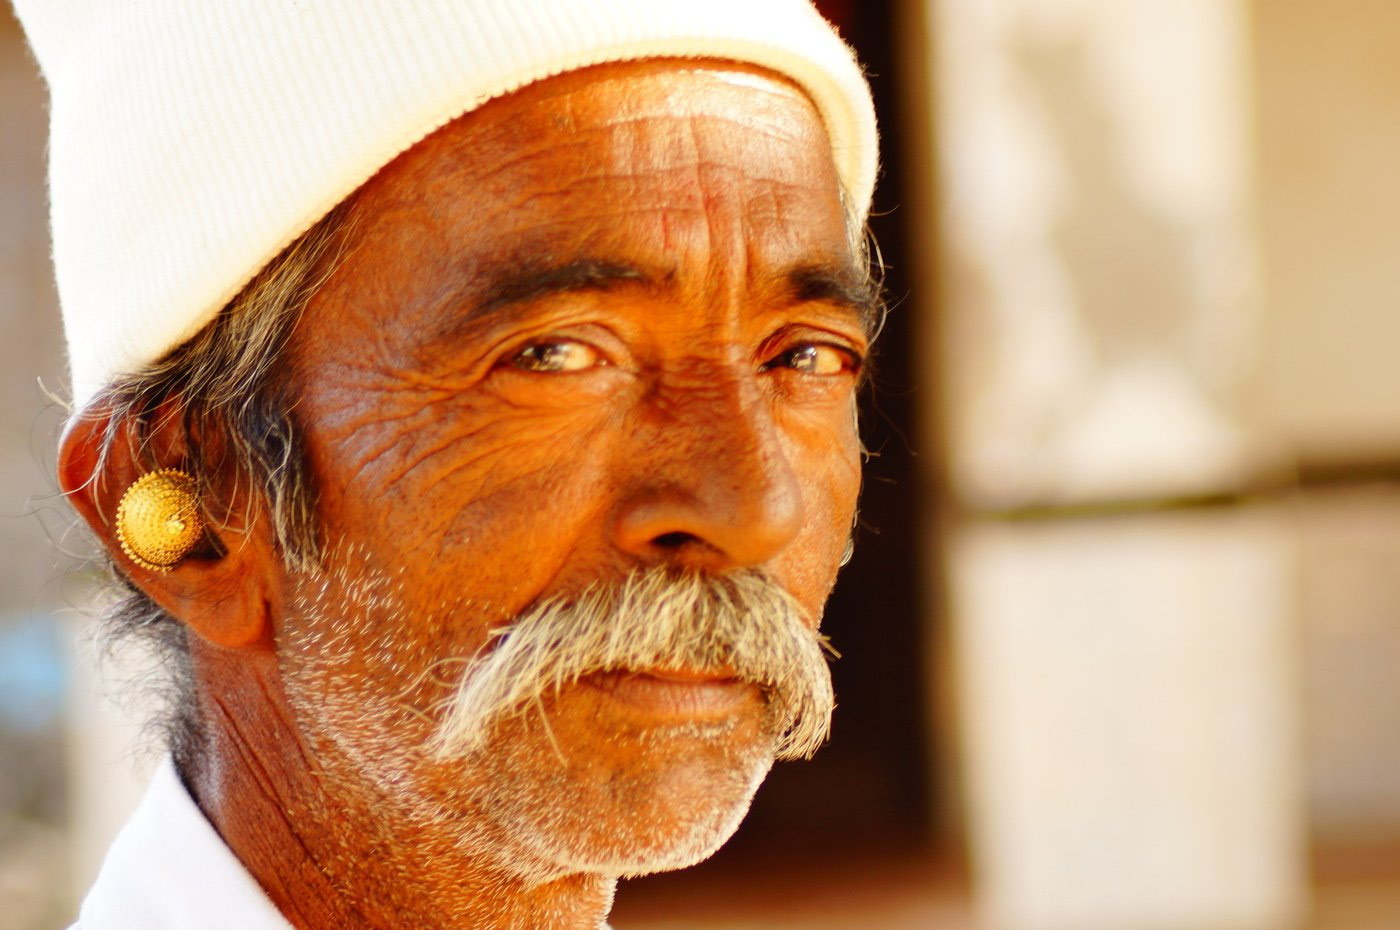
{"points": [[601, 323]]}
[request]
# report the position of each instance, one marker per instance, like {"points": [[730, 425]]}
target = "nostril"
{"points": [[673, 540]]}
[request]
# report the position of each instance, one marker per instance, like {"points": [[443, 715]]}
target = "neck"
{"points": [[339, 859]]}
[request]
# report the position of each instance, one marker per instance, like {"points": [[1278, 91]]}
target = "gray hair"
{"points": [[743, 622], [229, 397]]}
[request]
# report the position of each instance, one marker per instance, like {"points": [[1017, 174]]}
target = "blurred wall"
{"points": [[1125, 655], [1328, 385], [33, 800], [1327, 78], [1172, 415]]}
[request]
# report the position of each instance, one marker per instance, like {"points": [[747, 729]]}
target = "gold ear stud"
{"points": [[158, 520]]}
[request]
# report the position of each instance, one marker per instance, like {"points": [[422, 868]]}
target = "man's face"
{"points": [[609, 323]]}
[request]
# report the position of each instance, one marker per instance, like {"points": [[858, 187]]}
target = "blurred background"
{"points": [[1121, 640]]}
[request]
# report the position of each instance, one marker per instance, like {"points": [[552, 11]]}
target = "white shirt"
{"points": [[169, 870]]}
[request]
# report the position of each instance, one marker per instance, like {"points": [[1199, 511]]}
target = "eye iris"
{"points": [[805, 358], [816, 360], [549, 356]]}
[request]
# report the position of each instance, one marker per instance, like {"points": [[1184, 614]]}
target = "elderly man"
{"points": [[486, 526]]}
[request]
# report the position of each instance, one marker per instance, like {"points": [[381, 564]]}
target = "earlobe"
{"points": [[144, 508]]}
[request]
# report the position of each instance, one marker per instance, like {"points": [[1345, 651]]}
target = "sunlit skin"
{"points": [[609, 321]]}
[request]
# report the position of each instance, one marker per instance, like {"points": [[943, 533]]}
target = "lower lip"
{"points": [[675, 695]]}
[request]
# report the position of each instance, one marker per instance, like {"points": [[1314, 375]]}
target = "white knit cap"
{"points": [[193, 140]]}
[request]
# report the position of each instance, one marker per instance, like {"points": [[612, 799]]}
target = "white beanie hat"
{"points": [[193, 140]]}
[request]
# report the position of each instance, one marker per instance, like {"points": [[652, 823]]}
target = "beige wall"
{"points": [[1328, 79], [1328, 390], [1169, 238], [1127, 696], [31, 346], [1100, 258]]}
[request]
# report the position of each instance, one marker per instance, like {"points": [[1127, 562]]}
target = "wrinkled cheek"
{"points": [[845, 476], [506, 542], [832, 490]]}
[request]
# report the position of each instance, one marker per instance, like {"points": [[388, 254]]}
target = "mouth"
{"points": [[678, 694]]}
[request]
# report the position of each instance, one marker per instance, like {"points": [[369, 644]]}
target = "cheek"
{"points": [[360, 664], [827, 462], [461, 491]]}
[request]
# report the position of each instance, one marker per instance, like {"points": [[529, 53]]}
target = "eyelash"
{"points": [[544, 349], [852, 362]]}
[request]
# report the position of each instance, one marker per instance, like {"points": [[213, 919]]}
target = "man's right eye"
{"points": [[557, 357]]}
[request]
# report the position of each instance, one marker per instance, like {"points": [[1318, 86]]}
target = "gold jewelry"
{"points": [[158, 520]]}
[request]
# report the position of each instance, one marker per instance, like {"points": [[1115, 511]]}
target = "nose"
{"points": [[709, 485]]}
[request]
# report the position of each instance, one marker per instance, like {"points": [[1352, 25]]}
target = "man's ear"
{"points": [[222, 589]]}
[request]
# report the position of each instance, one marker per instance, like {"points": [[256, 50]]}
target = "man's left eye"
{"points": [[816, 359], [559, 356]]}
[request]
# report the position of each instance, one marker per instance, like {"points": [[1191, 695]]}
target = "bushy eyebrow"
{"points": [[531, 281], [843, 286], [516, 282], [511, 283]]}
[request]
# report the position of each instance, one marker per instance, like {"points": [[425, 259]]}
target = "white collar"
{"points": [[169, 870]]}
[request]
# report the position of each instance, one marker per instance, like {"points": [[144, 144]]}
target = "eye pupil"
{"points": [[804, 359], [814, 359], [547, 356]]}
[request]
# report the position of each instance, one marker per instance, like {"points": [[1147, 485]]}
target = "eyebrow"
{"points": [[845, 286], [521, 281], [531, 281]]}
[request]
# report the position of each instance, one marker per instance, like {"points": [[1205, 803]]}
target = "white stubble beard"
{"points": [[513, 803]]}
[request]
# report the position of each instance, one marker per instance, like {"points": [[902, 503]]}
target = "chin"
{"points": [[635, 801]]}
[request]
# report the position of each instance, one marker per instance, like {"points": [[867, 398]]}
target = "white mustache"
{"points": [[741, 622]]}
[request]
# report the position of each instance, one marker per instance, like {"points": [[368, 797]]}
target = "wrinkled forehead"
{"points": [[665, 143]]}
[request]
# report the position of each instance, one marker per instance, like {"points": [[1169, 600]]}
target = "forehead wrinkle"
{"points": [[786, 246], [637, 145], [641, 146], [583, 219], [756, 103], [693, 143], [587, 186], [587, 210], [732, 188], [520, 156], [694, 179], [749, 126]]}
